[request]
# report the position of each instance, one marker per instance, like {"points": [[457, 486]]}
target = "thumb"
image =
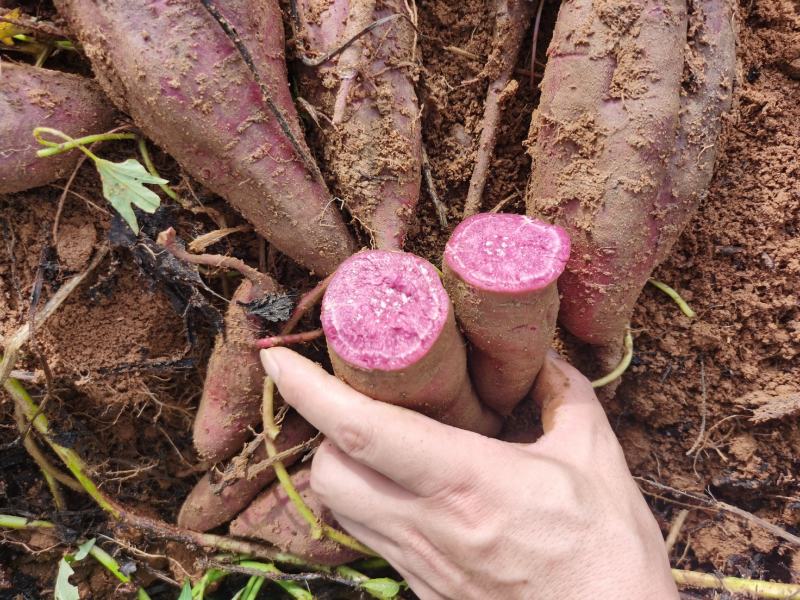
{"points": [[565, 397]]}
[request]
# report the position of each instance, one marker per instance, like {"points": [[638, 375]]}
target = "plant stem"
{"points": [[736, 585], [292, 338], [148, 163], [105, 559], [72, 143], [306, 303], [318, 528], [290, 587], [14, 522], [621, 367], [672, 293]]}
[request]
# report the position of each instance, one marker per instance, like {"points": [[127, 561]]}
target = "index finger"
{"points": [[416, 452]]}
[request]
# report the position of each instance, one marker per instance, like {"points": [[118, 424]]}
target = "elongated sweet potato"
{"points": [[707, 95], [601, 144], [31, 97], [219, 103], [272, 517], [500, 271], [372, 142], [392, 336], [203, 509], [230, 403]]}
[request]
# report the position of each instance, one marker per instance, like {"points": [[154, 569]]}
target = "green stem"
{"points": [[621, 367], [672, 293], [105, 559], [14, 522], [72, 143], [752, 587], [148, 163], [72, 461], [290, 587], [318, 528]]}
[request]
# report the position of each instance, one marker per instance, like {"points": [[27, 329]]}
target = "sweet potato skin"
{"points": [[601, 140], [374, 153], [272, 517], [230, 402], [172, 67], [31, 97], [435, 383], [204, 510]]}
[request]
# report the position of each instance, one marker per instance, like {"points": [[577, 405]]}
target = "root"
{"points": [[621, 367], [306, 303], [511, 22], [441, 209], [168, 240], [292, 338], [685, 308]]}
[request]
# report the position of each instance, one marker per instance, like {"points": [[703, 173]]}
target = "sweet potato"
{"points": [[500, 270], [230, 404], [707, 96], [601, 141], [31, 97], [372, 142], [392, 335], [511, 21], [203, 509], [219, 103], [273, 517]]}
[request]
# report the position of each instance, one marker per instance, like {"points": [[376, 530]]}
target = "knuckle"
{"points": [[355, 438]]}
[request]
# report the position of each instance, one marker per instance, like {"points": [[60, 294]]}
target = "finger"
{"points": [[566, 398], [359, 493], [416, 452], [393, 553]]}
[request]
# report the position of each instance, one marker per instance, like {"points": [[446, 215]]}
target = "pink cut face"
{"points": [[384, 310], [507, 253]]}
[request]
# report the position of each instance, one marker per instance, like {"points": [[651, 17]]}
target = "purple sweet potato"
{"points": [[500, 270], [31, 97], [372, 137], [273, 518], [392, 336], [203, 509], [601, 141], [219, 103], [230, 403]]}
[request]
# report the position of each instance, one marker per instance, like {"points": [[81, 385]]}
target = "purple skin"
{"points": [[272, 517], [31, 97], [501, 271], [204, 510], [392, 336], [171, 66]]}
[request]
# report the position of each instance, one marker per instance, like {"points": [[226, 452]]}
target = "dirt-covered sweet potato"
{"points": [[207, 82], [601, 141], [31, 97], [204, 509], [272, 517], [371, 130], [230, 404]]}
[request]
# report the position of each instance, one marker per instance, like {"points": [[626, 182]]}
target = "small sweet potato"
{"points": [[204, 510], [218, 101], [272, 517], [31, 97], [230, 404]]}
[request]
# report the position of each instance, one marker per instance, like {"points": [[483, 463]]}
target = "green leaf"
{"points": [[186, 591], [84, 549], [64, 590], [123, 187], [383, 588]]}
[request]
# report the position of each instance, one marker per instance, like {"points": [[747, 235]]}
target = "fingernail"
{"points": [[553, 354], [271, 365]]}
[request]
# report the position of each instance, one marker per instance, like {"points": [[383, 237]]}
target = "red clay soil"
{"points": [[709, 408]]}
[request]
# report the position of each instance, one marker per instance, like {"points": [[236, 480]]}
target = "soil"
{"points": [[707, 413]]}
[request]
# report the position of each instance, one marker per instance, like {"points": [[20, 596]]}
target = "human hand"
{"points": [[463, 516]]}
